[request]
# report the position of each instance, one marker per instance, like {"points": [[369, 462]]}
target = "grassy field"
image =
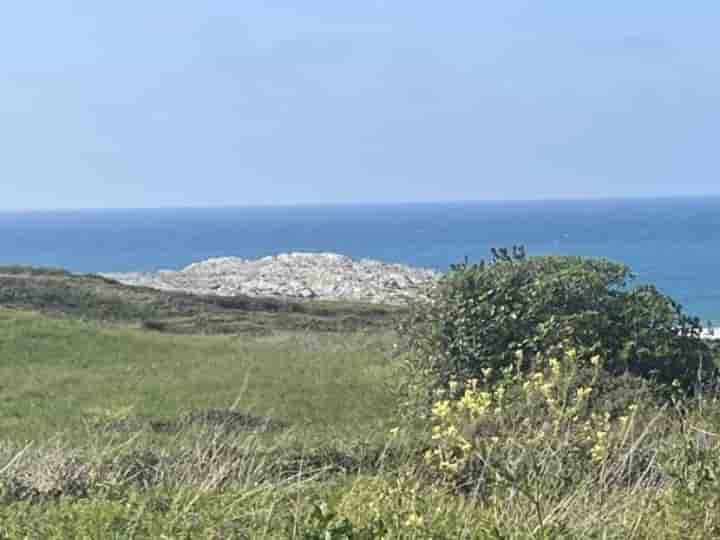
{"points": [[90, 367], [55, 372], [132, 414]]}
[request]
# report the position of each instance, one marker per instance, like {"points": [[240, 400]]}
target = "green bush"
{"points": [[493, 315]]}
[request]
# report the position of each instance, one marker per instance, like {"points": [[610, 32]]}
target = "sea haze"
{"points": [[674, 243]]}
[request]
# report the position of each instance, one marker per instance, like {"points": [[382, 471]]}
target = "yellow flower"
{"points": [[554, 366], [441, 408], [451, 431], [598, 452]]}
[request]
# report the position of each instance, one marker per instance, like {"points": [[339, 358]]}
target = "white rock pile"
{"points": [[324, 276]]}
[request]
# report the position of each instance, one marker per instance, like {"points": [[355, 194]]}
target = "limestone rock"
{"points": [[325, 276]]}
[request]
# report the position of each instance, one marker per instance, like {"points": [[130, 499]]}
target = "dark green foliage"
{"points": [[67, 295], [492, 315]]}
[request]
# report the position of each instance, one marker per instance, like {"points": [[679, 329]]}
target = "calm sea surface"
{"points": [[674, 243]]}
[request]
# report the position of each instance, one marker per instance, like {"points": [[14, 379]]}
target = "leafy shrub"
{"points": [[537, 437], [482, 316], [545, 415]]}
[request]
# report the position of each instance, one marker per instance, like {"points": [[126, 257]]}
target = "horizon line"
{"points": [[360, 203]]}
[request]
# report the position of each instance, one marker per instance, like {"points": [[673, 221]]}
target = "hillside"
{"points": [[56, 292]]}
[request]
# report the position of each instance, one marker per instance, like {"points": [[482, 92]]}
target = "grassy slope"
{"points": [[53, 292], [71, 347], [52, 371]]}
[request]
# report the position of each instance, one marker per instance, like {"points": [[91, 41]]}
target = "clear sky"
{"points": [[203, 103]]}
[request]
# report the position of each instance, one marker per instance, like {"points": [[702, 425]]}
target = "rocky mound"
{"points": [[325, 276]]}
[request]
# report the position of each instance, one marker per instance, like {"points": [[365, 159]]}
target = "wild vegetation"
{"points": [[57, 293], [523, 398]]}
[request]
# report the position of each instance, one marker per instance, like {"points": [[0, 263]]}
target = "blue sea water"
{"points": [[673, 243]]}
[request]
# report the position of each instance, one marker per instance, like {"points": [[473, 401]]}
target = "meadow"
{"points": [[136, 414]]}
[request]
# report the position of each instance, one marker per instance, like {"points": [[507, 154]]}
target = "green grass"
{"points": [[53, 371], [88, 395], [242, 418], [58, 293]]}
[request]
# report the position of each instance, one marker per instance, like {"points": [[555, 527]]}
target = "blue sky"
{"points": [[148, 104]]}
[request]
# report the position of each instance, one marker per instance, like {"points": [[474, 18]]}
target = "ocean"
{"points": [[673, 243]]}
